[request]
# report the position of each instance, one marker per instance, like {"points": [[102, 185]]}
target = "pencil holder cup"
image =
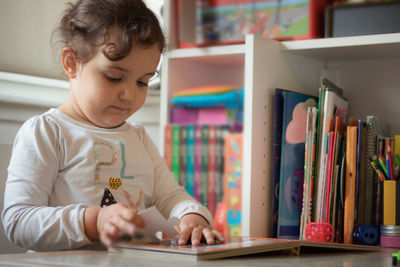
{"points": [[390, 221]]}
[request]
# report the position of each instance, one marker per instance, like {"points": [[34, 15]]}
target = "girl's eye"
{"points": [[113, 79], [142, 84]]}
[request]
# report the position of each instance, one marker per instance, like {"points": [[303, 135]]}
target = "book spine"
{"points": [[329, 175], [225, 130], [233, 183], [219, 143], [211, 204], [168, 145], [276, 151], [190, 143], [351, 161], [204, 165], [305, 216], [175, 151], [318, 144], [183, 157], [197, 163]]}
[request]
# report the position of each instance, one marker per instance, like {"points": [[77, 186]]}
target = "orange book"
{"points": [[233, 151], [351, 156]]}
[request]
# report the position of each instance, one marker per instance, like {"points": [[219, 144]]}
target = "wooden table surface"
{"points": [[104, 258]]}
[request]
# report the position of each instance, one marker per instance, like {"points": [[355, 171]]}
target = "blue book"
{"points": [[291, 179], [276, 153], [190, 130]]}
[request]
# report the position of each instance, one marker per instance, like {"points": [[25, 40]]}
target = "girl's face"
{"points": [[105, 93]]}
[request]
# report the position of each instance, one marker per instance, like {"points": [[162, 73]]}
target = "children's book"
{"points": [[197, 163], [205, 90], [294, 122], [325, 84], [211, 204], [213, 116], [169, 249], [168, 145], [233, 184], [276, 152], [335, 176], [221, 132], [204, 165], [190, 154], [182, 116], [182, 156], [309, 161], [334, 105], [176, 132]]}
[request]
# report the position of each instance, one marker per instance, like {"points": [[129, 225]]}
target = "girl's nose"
{"points": [[127, 93]]}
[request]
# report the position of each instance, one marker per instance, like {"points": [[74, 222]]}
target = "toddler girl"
{"points": [[79, 173]]}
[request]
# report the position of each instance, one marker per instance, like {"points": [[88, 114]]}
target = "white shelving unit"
{"points": [[366, 67]]}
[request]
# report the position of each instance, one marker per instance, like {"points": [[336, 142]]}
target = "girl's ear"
{"points": [[69, 62]]}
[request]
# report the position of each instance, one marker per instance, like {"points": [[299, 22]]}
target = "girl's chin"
{"points": [[112, 123]]}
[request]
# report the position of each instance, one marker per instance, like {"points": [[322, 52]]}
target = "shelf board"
{"points": [[365, 47], [216, 55]]}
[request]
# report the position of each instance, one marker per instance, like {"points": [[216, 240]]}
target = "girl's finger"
{"points": [[196, 235], [110, 229], [139, 201], [130, 202], [123, 224], [184, 235], [108, 235], [208, 235], [138, 221], [128, 198], [218, 236]]}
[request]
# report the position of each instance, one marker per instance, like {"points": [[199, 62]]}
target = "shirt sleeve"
{"points": [[28, 220], [168, 197]]}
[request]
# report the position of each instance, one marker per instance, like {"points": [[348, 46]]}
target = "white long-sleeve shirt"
{"points": [[60, 166]]}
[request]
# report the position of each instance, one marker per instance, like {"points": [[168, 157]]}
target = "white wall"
{"points": [[25, 28]]}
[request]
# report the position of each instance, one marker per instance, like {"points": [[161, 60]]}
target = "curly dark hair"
{"points": [[86, 25]]}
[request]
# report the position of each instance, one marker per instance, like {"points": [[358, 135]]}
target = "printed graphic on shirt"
{"points": [[100, 145], [99, 163], [114, 183], [123, 176], [106, 154], [108, 199]]}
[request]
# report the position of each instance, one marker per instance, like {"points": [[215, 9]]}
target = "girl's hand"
{"points": [[112, 220], [196, 228], [117, 218]]}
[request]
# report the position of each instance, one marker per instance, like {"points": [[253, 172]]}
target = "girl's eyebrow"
{"points": [[125, 70], [118, 68]]}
